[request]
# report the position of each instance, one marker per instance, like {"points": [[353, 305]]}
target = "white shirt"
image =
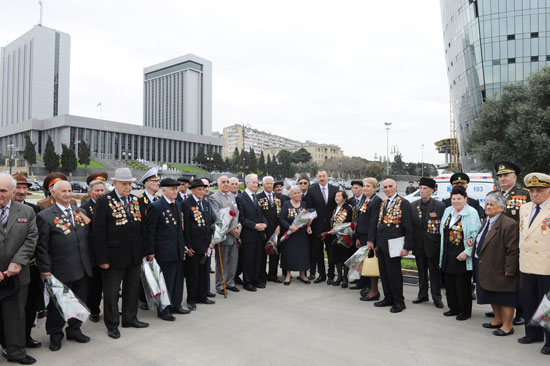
{"points": [[151, 197], [63, 208], [390, 200], [337, 210], [454, 218], [249, 192], [183, 195], [535, 207], [167, 200]]}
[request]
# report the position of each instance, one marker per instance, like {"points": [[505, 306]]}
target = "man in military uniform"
{"points": [[462, 180], [48, 200], [410, 188], [534, 251]]}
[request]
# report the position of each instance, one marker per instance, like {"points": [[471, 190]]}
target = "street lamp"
{"points": [[76, 148], [422, 159], [10, 147], [388, 125]]}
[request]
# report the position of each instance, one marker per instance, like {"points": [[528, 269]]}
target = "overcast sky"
{"points": [[327, 71]]}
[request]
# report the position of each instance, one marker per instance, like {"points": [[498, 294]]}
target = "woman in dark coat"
{"points": [[342, 213]]}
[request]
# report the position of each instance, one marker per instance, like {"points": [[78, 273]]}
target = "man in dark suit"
{"points": [[183, 189], [198, 220], [426, 216], [270, 204], [63, 251], [253, 235], [394, 221], [462, 180], [118, 241], [165, 239], [320, 196], [18, 237], [35, 300]]}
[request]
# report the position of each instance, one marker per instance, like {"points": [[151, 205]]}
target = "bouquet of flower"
{"points": [[541, 317], [154, 284], [223, 224], [354, 263], [68, 305], [272, 244], [343, 232], [301, 220]]}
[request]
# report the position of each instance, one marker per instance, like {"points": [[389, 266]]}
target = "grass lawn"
{"points": [[93, 165], [190, 169]]}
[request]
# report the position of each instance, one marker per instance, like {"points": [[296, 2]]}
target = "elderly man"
{"points": [[227, 253], [97, 188], [234, 186], [534, 251], [253, 233], [49, 181], [63, 251], [394, 222], [426, 216], [118, 241], [206, 195], [234, 189], [35, 300], [183, 193], [18, 237], [165, 239], [270, 203]]}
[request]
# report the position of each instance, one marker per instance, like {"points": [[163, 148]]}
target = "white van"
{"points": [[480, 184]]}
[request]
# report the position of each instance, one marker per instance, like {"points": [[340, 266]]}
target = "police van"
{"points": [[480, 184]]}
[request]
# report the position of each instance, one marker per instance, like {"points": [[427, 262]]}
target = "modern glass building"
{"points": [[489, 43]]}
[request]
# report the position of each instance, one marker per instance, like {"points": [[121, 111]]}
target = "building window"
{"points": [[512, 60], [511, 37], [534, 34], [534, 58]]}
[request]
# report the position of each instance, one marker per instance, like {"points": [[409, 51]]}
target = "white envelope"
{"points": [[395, 246]]}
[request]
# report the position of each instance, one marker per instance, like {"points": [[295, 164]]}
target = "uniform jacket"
{"points": [[250, 214], [144, 202], [218, 201], [515, 198], [271, 211], [197, 224], [367, 218], [165, 231], [534, 240], [427, 236], [394, 221], [314, 199], [470, 227]]}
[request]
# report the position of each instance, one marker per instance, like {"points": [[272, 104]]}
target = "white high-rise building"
{"points": [[34, 76], [177, 95]]}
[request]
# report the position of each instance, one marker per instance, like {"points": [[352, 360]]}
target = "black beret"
{"points": [[428, 182], [196, 183], [169, 182], [357, 182]]}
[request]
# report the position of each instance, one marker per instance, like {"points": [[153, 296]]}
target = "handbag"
{"points": [[369, 267]]}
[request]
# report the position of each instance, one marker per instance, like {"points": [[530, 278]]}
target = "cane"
{"points": [[221, 267]]}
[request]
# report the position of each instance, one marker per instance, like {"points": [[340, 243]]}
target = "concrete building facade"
{"points": [[245, 137]]}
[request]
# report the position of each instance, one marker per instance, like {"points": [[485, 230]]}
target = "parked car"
{"points": [[136, 185], [80, 187]]}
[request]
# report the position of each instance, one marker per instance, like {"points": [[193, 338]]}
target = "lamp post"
{"points": [[422, 148], [388, 125], [10, 147]]}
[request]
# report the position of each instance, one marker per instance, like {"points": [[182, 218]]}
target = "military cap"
{"points": [[459, 178], [505, 167], [21, 179], [169, 182], [428, 182], [99, 175], [533, 180], [357, 182], [196, 183], [53, 178], [150, 175]]}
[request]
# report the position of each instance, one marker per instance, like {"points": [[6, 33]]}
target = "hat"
{"points": [[357, 182], [411, 182], [505, 167], [196, 183], [303, 176], [123, 175], [169, 182], [459, 178], [53, 178], [428, 182], [533, 180], [183, 180], [150, 175], [279, 183], [9, 286], [21, 179], [100, 175]]}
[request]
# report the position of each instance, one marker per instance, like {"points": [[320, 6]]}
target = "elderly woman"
{"points": [[342, 213], [496, 264], [460, 226], [294, 250]]}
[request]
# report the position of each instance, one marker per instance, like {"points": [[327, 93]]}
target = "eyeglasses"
{"points": [[302, 183]]}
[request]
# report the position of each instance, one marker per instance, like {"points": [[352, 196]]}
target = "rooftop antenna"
{"points": [[41, 6]]}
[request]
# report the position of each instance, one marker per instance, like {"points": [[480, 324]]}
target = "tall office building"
{"points": [[177, 95], [488, 44], [34, 76]]}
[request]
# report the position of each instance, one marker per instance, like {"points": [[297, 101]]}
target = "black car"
{"points": [[80, 187]]}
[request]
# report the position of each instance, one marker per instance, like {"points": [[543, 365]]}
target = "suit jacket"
{"points": [[271, 211], [472, 202], [164, 231], [89, 207], [250, 214], [470, 226], [515, 197], [314, 199], [391, 230], [63, 247], [534, 241], [33, 206], [499, 253], [218, 201], [427, 235], [118, 238], [367, 218], [197, 224], [180, 199], [19, 240]]}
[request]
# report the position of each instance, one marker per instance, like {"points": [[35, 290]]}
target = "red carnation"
{"points": [[347, 239], [324, 235], [269, 249], [232, 213], [352, 226]]}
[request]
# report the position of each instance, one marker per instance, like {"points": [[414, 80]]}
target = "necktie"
{"points": [[200, 205], [4, 217], [357, 202], [125, 204], [537, 210], [270, 199], [69, 215], [324, 190], [482, 238]]}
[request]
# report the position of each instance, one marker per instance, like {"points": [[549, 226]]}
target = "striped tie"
{"points": [[4, 217]]}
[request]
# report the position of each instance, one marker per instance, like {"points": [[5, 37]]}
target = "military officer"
{"points": [[47, 186]]}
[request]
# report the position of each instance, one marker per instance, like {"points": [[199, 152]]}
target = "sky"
{"points": [[325, 71]]}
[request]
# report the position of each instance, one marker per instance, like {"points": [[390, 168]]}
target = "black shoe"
{"points": [[250, 288], [55, 342], [114, 333], [438, 304], [545, 350], [518, 321], [355, 287], [212, 271], [286, 283], [490, 314], [501, 333], [27, 360], [367, 298], [276, 280], [397, 308], [180, 310], [238, 281], [383, 303], [32, 343], [307, 282], [260, 285], [78, 337], [234, 289], [344, 284], [135, 324], [330, 281], [449, 313], [207, 301], [491, 326], [320, 279], [527, 340], [143, 305], [192, 307], [338, 282], [167, 316], [420, 300], [462, 317], [94, 318], [220, 292], [210, 294]]}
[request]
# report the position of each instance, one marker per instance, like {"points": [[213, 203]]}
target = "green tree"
{"points": [[398, 166], [227, 164], [268, 165], [252, 161], [301, 156], [51, 159], [235, 160], [411, 168], [84, 153], [375, 170], [217, 162], [200, 158], [243, 162], [261, 164], [30, 153], [68, 158]]}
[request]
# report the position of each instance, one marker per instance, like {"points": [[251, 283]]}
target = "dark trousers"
{"points": [[55, 321], [173, 276], [35, 299], [130, 277], [459, 292], [392, 278], [271, 274], [428, 268], [252, 259], [312, 254], [195, 277], [240, 261], [208, 268], [95, 290], [12, 325], [319, 255], [330, 245], [533, 288]]}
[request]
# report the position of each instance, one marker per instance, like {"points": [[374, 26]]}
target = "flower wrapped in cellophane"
{"points": [[154, 285], [301, 220], [343, 233], [541, 317], [272, 244], [223, 224], [64, 299], [354, 263]]}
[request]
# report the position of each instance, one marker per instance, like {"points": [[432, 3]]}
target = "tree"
{"points": [[411, 168], [68, 158], [84, 153], [200, 158], [235, 160], [268, 166], [30, 153], [515, 125], [242, 166], [51, 159], [302, 156], [227, 164], [252, 161], [286, 158], [375, 170], [398, 166], [261, 164], [217, 162]]}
